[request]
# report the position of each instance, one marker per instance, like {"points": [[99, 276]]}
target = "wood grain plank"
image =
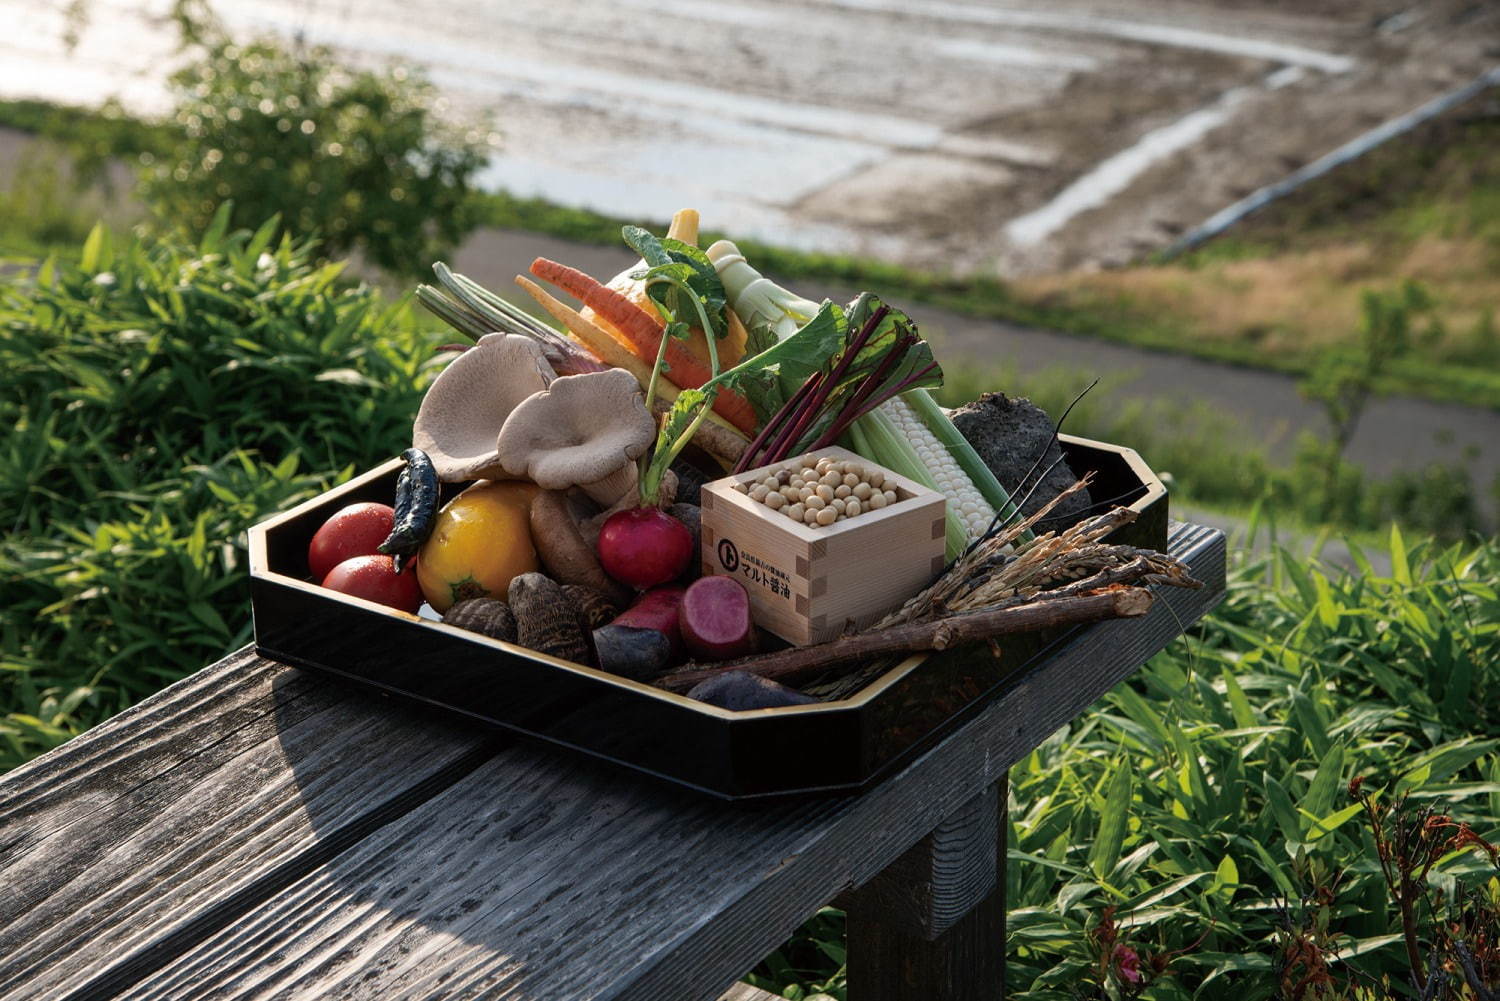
{"points": [[156, 829], [893, 958], [542, 875], [145, 740], [940, 878], [744, 992]]}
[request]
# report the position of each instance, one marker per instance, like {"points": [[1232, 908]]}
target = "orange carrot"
{"points": [[607, 348], [641, 329], [643, 334]]}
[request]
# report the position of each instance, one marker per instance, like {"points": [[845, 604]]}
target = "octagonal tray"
{"points": [[832, 746]]}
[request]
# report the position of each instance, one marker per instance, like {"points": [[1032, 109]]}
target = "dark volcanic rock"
{"points": [[1009, 435]]}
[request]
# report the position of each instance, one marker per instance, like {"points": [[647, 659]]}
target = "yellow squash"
{"points": [[482, 538]]}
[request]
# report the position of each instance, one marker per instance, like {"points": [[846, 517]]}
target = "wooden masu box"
{"points": [[840, 745], [809, 584]]}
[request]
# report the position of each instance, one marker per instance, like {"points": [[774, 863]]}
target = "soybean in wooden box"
{"points": [[808, 583]]}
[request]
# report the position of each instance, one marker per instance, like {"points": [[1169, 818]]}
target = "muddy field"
{"points": [[1031, 136]]}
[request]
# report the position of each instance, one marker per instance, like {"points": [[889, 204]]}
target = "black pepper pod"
{"points": [[416, 507]]}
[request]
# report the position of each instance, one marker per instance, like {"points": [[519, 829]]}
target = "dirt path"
{"points": [[966, 135]]}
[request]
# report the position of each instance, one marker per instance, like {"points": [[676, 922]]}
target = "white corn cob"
{"points": [[948, 476]]}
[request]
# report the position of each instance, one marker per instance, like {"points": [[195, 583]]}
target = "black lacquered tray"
{"points": [[835, 746]]}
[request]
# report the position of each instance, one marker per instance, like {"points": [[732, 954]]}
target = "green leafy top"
{"points": [[682, 281], [796, 358], [890, 354], [877, 354]]}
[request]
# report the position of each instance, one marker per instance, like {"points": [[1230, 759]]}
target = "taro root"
{"points": [[690, 479], [597, 608], [489, 616], [736, 690], [545, 621], [692, 516], [468, 403]]}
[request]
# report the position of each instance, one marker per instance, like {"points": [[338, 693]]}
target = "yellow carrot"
{"points": [[684, 226]]}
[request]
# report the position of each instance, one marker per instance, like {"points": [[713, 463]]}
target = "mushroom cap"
{"points": [[469, 401], [582, 431]]}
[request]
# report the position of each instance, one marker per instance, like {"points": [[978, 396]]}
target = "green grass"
{"points": [[1197, 796], [1283, 285]]}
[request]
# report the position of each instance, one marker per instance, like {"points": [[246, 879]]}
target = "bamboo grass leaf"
{"points": [[1105, 854]]}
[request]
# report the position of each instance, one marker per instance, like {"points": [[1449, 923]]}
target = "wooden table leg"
{"points": [[931, 926]]}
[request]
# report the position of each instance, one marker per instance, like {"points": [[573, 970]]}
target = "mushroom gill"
{"points": [[584, 431], [468, 403]]}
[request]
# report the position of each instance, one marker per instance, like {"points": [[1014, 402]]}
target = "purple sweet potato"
{"points": [[715, 619], [644, 640], [739, 690], [659, 609]]}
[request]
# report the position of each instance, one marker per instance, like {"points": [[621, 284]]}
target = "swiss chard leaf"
{"points": [[794, 360], [893, 343], [879, 355]]}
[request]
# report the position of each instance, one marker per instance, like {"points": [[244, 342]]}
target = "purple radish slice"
{"points": [[715, 619]]}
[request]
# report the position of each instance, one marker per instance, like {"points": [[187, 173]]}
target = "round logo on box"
{"points": [[729, 555]]}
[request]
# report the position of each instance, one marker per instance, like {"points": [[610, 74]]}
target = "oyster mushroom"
{"points": [[468, 403], [585, 431]]}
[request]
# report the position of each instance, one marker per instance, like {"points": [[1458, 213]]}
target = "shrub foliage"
{"points": [[363, 159], [1201, 816], [164, 397]]}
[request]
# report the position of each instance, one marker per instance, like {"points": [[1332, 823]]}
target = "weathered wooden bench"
{"points": [[256, 831]]}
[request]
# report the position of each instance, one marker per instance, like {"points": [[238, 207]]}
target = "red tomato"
{"points": [[357, 530], [374, 578]]}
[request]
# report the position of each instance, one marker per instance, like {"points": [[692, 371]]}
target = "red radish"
{"points": [[716, 623], [357, 530], [374, 578], [644, 546]]}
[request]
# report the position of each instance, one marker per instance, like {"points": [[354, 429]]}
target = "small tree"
{"points": [[358, 157], [1346, 377]]}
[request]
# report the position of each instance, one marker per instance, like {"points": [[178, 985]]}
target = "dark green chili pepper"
{"points": [[416, 507]]}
